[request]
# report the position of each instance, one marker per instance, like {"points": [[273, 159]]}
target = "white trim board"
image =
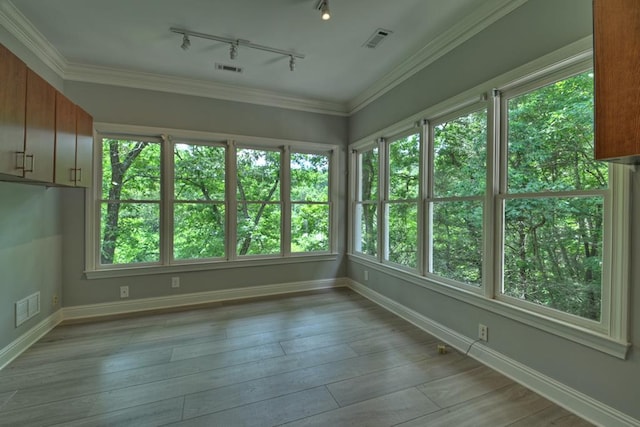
{"points": [[29, 338], [183, 300], [586, 407]]}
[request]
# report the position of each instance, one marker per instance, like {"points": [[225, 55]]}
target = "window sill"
{"points": [[127, 271], [583, 336]]}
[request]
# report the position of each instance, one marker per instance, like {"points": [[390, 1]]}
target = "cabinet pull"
{"points": [[79, 175], [33, 160], [72, 175], [20, 160]]}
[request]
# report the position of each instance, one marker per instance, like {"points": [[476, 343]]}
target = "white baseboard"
{"points": [[18, 346], [567, 397], [144, 304]]}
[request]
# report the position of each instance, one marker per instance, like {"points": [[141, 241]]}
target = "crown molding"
{"points": [[22, 29], [204, 88], [489, 12]]}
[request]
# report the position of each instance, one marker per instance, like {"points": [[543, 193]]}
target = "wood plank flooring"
{"points": [[329, 358]]}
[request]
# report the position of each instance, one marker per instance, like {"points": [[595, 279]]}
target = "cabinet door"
{"points": [[13, 90], [65, 158], [84, 148], [617, 82], [40, 128]]}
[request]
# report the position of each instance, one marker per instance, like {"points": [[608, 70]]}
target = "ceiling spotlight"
{"points": [[323, 6], [233, 51], [186, 43], [292, 63]]}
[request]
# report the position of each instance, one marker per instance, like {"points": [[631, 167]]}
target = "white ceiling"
{"points": [[99, 40]]}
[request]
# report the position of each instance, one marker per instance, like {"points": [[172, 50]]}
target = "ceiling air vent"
{"points": [[231, 68], [377, 37]]}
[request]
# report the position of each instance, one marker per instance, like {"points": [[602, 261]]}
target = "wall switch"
{"points": [[124, 292], [483, 332], [175, 282]]}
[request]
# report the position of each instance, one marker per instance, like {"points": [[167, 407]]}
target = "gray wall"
{"points": [[30, 253], [537, 28], [30, 233], [151, 108]]}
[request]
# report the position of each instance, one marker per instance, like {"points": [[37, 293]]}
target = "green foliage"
{"points": [[403, 233], [367, 214], [404, 168], [310, 202], [553, 245]]}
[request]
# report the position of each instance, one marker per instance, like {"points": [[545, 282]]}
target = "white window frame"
{"points": [[167, 264], [611, 335]]}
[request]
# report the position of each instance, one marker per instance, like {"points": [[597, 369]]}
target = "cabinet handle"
{"points": [[20, 160], [72, 175], [79, 175], [33, 160]]}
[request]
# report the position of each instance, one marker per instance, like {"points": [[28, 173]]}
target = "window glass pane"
{"points": [[457, 241], [130, 170], [551, 139], [460, 156], [130, 233], [199, 172], [368, 185], [258, 175], [404, 168], [367, 218], [198, 230], [258, 229], [309, 228], [309, 177], [553, 253], [403, 233]]}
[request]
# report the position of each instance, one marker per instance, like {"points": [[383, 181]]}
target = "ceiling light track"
{"points": [[235, 44]]}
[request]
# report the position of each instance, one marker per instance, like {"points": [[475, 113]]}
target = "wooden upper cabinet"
{"points": [[13, 87], [65, 155], [617, 80], [84, 148], [40, 129]]}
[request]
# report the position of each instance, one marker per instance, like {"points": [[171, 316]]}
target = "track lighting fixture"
{"points": [[234, 45], [323, 7], [233, 51], [186, 43]]}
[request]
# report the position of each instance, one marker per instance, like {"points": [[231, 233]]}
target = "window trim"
{"points": [[612, 340], [167, 137]]}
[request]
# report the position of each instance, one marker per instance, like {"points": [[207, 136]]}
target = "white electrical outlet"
{"points": [[124, 292], [366, 275], [175, 282], [483, 332]]}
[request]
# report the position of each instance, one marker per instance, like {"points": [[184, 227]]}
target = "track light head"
{"points": [[186, 43], [292, 63], [233, 51], [323, 6]]}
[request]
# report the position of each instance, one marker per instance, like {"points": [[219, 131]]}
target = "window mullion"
{"points": [[231, 228], [285, 199], [492, 226], [166, 202], [427, 194], [383, 191]]}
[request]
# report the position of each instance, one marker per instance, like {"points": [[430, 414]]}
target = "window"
{"points": [[401, 201], [259, 207], [553, 195], [130, 201], [366, 216], [502, 198], [457, 193], [310, 208], [198, 201], [163, 201]]}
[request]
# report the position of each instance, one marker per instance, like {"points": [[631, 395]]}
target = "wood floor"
{"points": [[327, 358]]}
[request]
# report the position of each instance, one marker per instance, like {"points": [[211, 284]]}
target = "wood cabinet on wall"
{"points": [[13, 89], [44, 137], [617, 80]]}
